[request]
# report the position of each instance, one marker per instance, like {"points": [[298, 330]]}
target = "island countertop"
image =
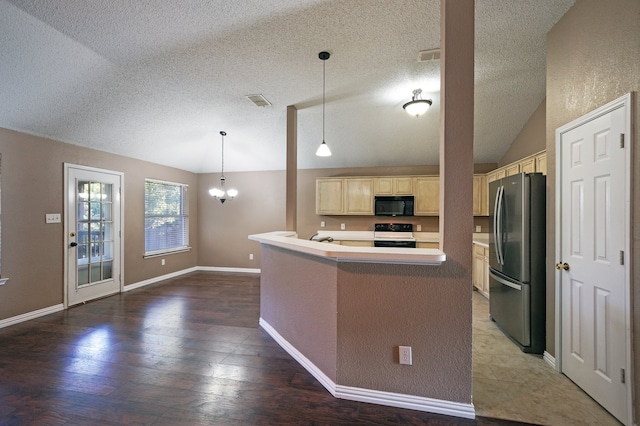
{"points": [[341, 253]]}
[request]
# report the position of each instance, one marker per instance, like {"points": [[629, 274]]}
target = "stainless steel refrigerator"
{"points": [[517, 259]]}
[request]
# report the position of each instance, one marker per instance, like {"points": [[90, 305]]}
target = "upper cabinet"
{"points": [[533, 163], [344, 196], [427, 196], [393, 185], [329, 196], [358, 199], [541, 162], [355, 195], [480, 196]]}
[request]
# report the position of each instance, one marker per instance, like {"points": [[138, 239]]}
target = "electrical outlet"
{"points": [[250, 256], [52, 218], [322, 224], [405, 355], [418, 228], [162, 262], [478, 228], [343, 226]]}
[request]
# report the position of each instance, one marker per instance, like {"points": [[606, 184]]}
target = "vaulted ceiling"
{"points": [[158, 80]]}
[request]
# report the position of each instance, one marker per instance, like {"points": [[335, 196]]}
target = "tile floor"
{"points": [[509, 384]]}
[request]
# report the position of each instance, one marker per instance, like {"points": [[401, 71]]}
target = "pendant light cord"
{"points": [[324, 76]]}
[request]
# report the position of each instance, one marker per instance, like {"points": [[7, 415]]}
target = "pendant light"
{"points": [[221, 194], [417, 106], [323, 149]]}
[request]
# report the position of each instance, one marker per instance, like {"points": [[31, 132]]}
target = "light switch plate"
{"points": [[52, 218]]}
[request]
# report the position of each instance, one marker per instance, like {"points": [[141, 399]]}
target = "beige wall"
{"points": [[33, 185], [593, 57], [223, 228], [531, 139]]}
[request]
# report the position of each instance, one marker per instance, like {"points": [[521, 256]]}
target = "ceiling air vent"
{"points": [[259, 100], [429, 55]]}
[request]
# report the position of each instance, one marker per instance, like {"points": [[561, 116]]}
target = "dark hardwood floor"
{"points": [[185, 351]]}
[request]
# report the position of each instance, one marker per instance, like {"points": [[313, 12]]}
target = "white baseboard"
{"points": [[186, 271], [157, 279], [31, 315], [302, 360], [221, 269], [549, 359], [412, 402]]}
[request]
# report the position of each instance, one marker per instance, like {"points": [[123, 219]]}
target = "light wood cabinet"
{"points": [[427, 196], [393, 185], [425, 244], [541, 163], [528, 165], [357, 243], [480, 196], [403, 185], [344, 196], [329, 196], [358, 196], [512, 169], [480, 270]]}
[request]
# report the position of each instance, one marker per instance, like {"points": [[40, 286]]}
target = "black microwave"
{"points": [[393, 206]]}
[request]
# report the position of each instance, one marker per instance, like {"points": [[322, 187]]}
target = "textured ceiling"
{"points": [[158, 80]]}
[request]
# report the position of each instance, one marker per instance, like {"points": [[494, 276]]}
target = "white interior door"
{"points": [[594, 230], [92, 228]]}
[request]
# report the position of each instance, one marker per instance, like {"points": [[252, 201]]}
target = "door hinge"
{"points": [[622, 140], [622, 375], [622, 257]]}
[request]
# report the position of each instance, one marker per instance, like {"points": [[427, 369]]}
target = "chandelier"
{"points": [[220, 193]]}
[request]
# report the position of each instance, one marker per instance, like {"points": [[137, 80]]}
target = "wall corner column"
{"points": [[291, 211]]}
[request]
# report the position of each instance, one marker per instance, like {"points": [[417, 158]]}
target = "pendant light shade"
{"points": [[323, 149], [417, 106], [222, 193]]}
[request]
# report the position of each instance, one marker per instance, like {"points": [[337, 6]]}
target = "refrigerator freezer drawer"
{"points": [[510, 306]]}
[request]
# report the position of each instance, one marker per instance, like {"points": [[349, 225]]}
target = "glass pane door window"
{"points": [[95, 232]]}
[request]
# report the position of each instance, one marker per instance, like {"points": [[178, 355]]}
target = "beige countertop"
{"points": [[481, 238], [289, 240]]}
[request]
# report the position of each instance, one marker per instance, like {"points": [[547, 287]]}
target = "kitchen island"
{"points": [[343, 311]]}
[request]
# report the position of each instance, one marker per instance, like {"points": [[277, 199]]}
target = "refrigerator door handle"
{"points": [[505, 282], [497, 228]]}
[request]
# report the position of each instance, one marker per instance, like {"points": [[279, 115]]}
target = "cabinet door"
{"points": [[528, 165], [428, 245], [512, 169], [359, 196], [427, 196], [383, 185], [329, 196], [541, 163], [403, 186], [480, 200], [485, 272]]}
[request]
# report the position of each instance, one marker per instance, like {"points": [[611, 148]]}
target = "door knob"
{"points": [[561, 266], [73, 244]]}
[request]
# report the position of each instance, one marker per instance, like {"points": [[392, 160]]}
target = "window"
{"points": [[166, 217]]}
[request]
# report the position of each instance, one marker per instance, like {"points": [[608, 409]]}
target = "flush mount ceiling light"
{"points": [[417, 106], [323, 149], [220, 193]]}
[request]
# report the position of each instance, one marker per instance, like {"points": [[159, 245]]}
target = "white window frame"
{"points": [[183, 219]]}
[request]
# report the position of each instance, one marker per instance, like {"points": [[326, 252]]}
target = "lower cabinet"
{"points": [[424, 244], [352, 243], [480, 270]]}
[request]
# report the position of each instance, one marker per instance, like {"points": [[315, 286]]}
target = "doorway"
{"points": [[593, 231], [93, 216]]}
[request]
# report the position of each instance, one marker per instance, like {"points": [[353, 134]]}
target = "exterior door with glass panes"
{"points": [[92, 228]]}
